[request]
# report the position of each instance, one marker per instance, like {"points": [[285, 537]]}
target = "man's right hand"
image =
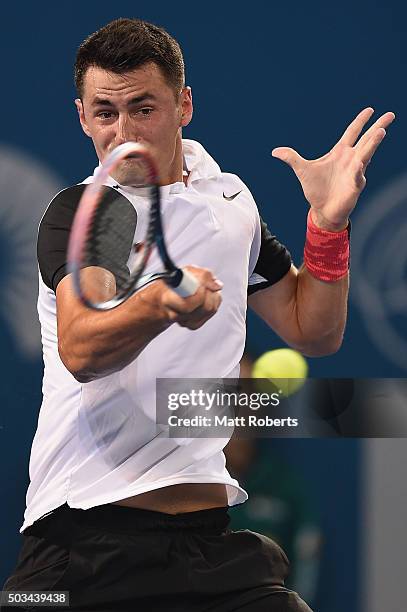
{"points": [[192, 312], [93, 344]]}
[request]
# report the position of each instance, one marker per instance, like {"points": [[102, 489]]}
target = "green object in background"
{"points": [[280, 507]]}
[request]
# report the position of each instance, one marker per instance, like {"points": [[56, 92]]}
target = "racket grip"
{"points": [[188, 285]]}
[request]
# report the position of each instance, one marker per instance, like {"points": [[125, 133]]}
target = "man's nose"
{"points": [[124, 130]]}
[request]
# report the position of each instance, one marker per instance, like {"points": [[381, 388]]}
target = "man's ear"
{"points": [[81, 113], [187, 108]]}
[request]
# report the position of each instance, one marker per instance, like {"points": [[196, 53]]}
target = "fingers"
{"points": [[176, 305], [370, 147], [382, 123], [206, 281], [193, 319], [193, 311], [367, 145], [369, 142], [290, 157], [205, 277], [203, 313], [352, 132]]}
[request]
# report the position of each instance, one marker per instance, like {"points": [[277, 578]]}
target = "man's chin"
{"points": [[131, 173]]}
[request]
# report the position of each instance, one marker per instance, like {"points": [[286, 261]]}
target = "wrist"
{"points": [[321, 223], [326, 253]]}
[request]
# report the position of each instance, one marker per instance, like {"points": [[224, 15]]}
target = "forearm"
{"points": [[307, 307], [323, 285], [320, 309], [94, 344]]}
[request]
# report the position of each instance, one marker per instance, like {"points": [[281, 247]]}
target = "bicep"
{"points": [[272, 286], [276, 305]]}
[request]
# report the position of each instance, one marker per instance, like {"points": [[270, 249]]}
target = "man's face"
{"points": [[136, 106]]}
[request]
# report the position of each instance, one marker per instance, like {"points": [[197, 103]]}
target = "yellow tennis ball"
{"points": [[285, 368]]}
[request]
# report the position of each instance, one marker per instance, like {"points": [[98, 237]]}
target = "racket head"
{"points": [[105, 264]]}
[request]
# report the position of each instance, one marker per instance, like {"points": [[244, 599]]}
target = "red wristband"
{"points": [[326, 254]]}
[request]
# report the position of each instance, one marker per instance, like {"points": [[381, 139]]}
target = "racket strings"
{"points": [[110, 239], [110, 242], [108, 260]]}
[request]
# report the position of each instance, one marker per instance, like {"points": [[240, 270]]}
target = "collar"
{"points": [[197, 163]]}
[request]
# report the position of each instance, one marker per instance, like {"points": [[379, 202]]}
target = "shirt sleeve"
{"points": [[55, 227], [274, 261]]}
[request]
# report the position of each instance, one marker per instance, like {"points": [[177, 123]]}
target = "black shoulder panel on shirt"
{"points": [[274, 260], [54, 230]]}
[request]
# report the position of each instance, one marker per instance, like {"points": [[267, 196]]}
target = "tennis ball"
{"points": [[285, 369]]}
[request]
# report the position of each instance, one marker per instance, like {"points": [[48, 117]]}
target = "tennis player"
{"points": [[121, 518]]}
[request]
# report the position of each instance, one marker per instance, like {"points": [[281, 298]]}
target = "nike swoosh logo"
{"points": [[232, 197]]}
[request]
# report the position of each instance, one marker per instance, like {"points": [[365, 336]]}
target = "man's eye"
{"points": [[145, 111], [105, 115]]}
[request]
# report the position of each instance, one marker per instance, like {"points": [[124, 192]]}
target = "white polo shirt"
{"points": [[96, 442]]}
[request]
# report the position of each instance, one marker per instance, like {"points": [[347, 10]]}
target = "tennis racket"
{"points": [[106, 264]]}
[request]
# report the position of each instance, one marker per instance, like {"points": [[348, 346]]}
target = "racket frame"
{"points": [[181, 281]]}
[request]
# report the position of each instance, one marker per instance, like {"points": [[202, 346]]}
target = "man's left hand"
{"points": [[333, 183]]}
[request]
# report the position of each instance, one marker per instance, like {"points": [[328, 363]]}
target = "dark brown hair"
{"points": [[125, 44]]}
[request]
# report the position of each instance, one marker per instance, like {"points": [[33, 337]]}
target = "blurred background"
{"points": [[262, 75]]}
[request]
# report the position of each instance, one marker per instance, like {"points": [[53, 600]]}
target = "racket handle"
{"points": [[188, 285]]}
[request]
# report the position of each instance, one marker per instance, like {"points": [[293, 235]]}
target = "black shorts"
{"points": [[111, 558]]}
